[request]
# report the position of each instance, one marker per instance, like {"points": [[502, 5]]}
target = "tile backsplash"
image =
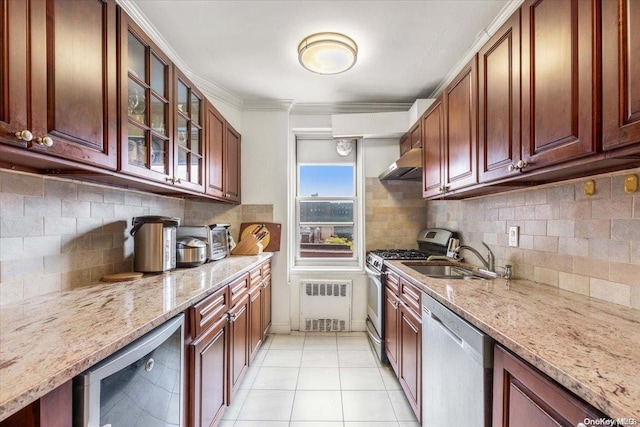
{"points": [[394, 214], [56, 234], [584, 244]]}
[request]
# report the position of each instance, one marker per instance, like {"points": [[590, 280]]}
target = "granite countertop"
{"points": [[589, 346], [46, 341]]}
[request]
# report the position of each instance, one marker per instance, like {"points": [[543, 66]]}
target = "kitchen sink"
{"points": [[442, 270]]}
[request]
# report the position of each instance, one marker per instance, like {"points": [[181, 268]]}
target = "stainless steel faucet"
{"points": [[489, 263]]}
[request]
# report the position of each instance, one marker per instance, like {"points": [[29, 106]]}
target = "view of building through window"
{"points": [[326, 197]]}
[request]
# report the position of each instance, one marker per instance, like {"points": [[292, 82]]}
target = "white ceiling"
{"points": [[249, 47]]}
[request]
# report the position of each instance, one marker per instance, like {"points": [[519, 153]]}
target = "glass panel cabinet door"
{"points": [[189, 168], [145, 107]]}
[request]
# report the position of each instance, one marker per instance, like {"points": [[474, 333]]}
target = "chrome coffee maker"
{"points": [[154, 243]]}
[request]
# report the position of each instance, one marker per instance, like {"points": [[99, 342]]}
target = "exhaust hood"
{"points": [[406, 168]]}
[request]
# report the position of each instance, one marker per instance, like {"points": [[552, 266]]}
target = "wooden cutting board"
{"points": [[271, 242], [121, 277]]}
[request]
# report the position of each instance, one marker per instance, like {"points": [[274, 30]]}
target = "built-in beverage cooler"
{"points": [[140, 385]]}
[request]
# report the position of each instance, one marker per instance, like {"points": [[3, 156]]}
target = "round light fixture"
{"points": [[327, 53]]}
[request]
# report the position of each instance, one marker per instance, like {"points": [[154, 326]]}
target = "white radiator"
{"points": [[325, 305]]}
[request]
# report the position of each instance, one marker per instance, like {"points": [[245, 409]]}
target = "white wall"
{"points": [[379, 154], [265, 181]]}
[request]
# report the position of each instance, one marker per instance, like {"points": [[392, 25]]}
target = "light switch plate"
{"points": [[514, 236]]}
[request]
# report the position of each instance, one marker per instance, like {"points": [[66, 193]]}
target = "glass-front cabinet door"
{"points": [[146, 114], [188, 135]]}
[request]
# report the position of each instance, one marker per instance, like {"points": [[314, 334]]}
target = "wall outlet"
{"points": [[514, 236]]}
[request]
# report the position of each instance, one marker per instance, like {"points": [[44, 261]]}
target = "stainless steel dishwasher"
{"points": [[457, 361]]}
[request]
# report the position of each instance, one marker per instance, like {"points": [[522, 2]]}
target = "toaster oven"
{"points": [[216, 237]]}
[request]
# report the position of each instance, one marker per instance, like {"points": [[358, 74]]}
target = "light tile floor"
{"points": [[319, 380]]}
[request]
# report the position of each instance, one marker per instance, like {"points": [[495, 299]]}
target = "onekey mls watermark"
{"points": [[614, 422]]}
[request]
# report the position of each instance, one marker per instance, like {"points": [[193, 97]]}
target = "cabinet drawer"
{"points": [[392, 281], [410, 296], [238, 288], [266, 269], [255, 277], [208, 311]]}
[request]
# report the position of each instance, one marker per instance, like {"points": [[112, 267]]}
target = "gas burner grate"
{"points": [[401, 254]]}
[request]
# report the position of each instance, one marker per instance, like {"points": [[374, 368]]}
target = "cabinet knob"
{"points": [[24, 135], [45, 141], [520, 164], [233, 317]]}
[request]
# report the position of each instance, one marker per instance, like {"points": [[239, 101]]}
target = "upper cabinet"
{"points": [[411, 139], [499, 102], [188, 135], [59, 73], [620, 77], [461, 150], [223, 158], [432, 149], [146, 116], [559, 90]]}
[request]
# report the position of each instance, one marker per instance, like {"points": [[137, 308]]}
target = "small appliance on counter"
{"points": [[215, 236], [190, 252], [154, 243]]}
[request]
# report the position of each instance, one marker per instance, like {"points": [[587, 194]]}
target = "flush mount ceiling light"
{"points": [[327, 53]]}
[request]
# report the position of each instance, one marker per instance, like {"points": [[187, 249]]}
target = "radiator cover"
{"points": [[325, 305]]}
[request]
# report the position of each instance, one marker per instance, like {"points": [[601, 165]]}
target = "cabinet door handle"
{"points": [[233, 317], [519, 166], [24, 135], [395, 304], [45, 141]]}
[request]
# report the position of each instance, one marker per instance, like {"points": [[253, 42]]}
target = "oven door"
{"points": [[375, 287]]}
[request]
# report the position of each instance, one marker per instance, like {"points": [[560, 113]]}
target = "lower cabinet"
{"points": [[51, 410], [207, 359], [523, 397], [238, 343], [403, 338], [410, 355], [224, 330]]}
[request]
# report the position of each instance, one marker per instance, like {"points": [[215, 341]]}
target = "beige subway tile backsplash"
{"points": [[584, 244], [56, 234]]}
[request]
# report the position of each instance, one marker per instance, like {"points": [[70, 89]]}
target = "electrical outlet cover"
{"points": [[514, 236]]}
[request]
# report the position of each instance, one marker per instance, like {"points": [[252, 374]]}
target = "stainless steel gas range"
{"points": [[430, 242]]}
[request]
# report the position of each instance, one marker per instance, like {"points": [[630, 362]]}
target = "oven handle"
{"points": [[372, 335], [370, 272]]}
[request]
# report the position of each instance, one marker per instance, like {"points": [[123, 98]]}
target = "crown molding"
{"points": [[210, 89], [348, 108], [267, 105], [481, 39]]}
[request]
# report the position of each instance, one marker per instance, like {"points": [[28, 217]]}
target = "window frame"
{"points": [[354, 263]]}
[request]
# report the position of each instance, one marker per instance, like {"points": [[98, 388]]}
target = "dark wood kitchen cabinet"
{"points": [[239, 324], [433, 137], [259, 306], [52, 410], [223, 158], [146, 99], [255, 311], [461, 149], [188, 168], [391, 309], [499, 102], [403, 336], [59, 81], [559, 87], [524, 397], [207, 356], [266, 298], [620, 77], [411, 139]]}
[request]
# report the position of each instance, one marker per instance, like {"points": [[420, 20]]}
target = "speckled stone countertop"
{"points": [[46, 341], [589, 346]]}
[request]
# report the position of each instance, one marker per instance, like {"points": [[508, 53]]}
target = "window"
{"points": [[327, 208]]}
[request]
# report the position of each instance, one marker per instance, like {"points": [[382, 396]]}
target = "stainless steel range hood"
{"points": [[406, 168]]}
